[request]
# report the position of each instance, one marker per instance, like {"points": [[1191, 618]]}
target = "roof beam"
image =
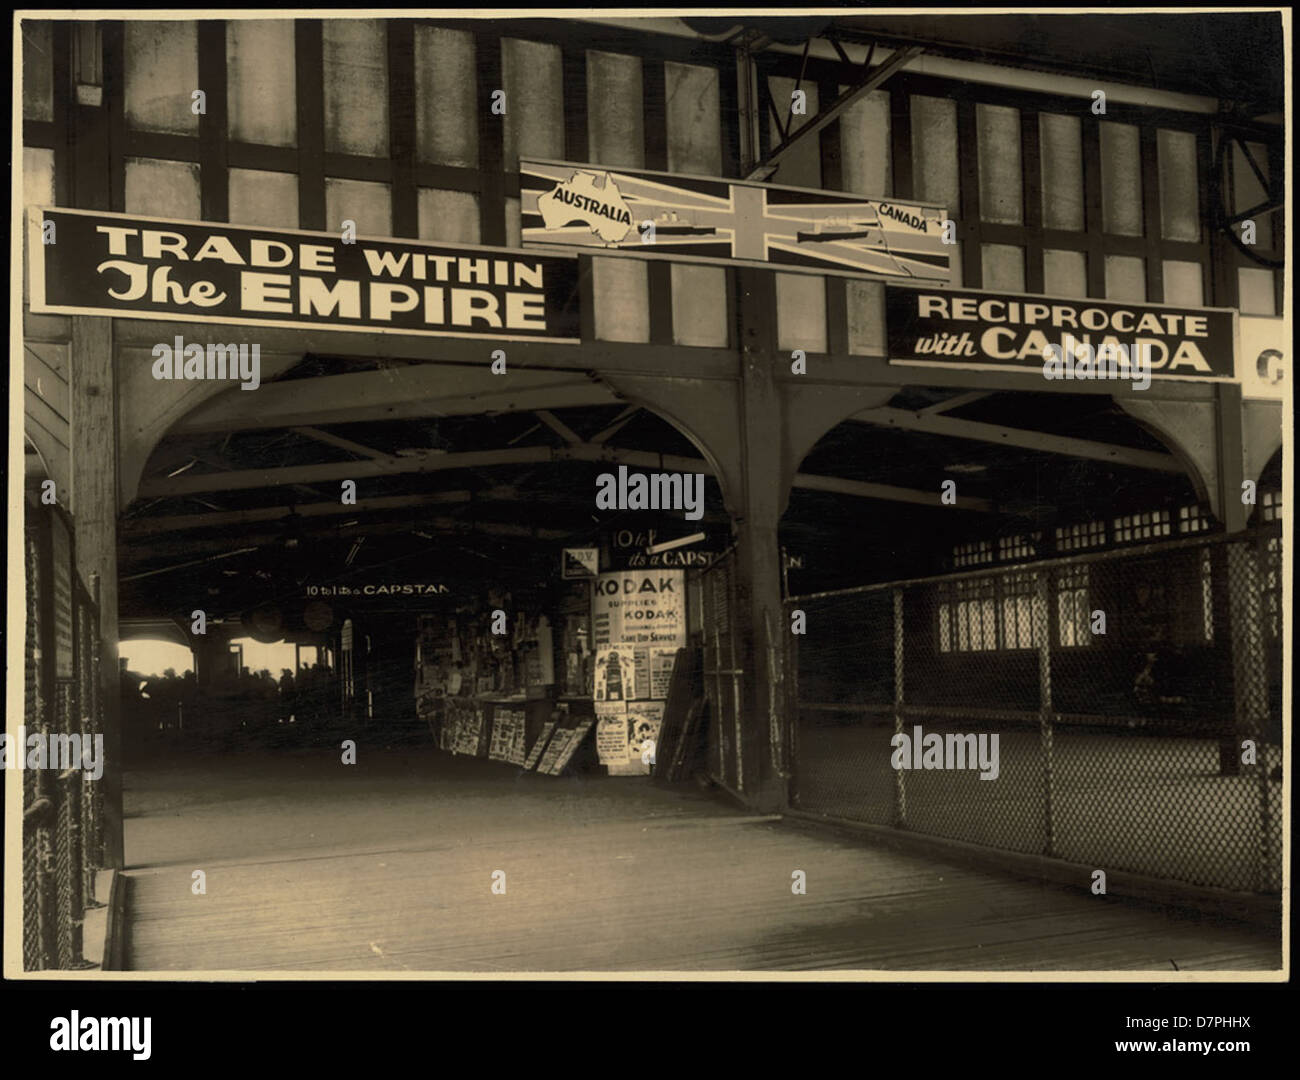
{"points": [[958, 402], [557, 425], [405, 393], [266, 538], [154, 526], [340, 442], [1042, 441], [888, 492], [615, 425], [524, 455]]}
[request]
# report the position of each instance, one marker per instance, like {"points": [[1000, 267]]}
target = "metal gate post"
{"points": [[900, 791], [1042, 631]]}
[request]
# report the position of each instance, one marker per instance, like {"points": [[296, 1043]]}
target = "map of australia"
{"points": [[587, 198]]}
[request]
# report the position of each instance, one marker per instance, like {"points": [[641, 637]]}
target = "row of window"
{"points": [[161, 73], [998, 613], [1125, 528]]}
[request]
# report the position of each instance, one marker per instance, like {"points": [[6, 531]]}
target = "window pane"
{"points": [[1255, 289], [866, 304], [615, 121], [934, 151], [1001, 183], [1121, 179], [1060, 142], [162, 71], [451, 216], [168, 189], [258, 197], [534, 120], [356, 86], [622, 303], [695, 120], [367, 203], [1065, 273], [865, 161], [1184, 283], [1126, 278], [801, 312], [38, 70], [1004, 267], [260, 80], [1180, 211], [446, 112], [699, 305], [1248, 192], [38, 176]]}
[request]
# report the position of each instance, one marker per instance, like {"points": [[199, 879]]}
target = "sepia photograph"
{"points": [[725, 495]]}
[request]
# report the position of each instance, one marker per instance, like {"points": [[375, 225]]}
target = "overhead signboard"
{"points": [[704, 219], [969, 328], [579, 563], [1264, 360], [137, 267]]}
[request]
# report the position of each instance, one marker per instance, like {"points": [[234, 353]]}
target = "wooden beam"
{"points": [[155, 526], [1042, 441], [247, 479], [958, 402], [340, 442], [254, 541], [417, 391], [887, 492], [622, 418], [558, 426]]}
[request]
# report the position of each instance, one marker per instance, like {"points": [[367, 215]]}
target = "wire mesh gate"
{"points": [[62, 804], [1119, 709], [713, 592]]}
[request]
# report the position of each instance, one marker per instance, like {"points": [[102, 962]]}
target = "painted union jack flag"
{"points": [[701, 219]]}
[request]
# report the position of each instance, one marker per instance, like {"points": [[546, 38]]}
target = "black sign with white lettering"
{"points": [[118, 264], [965, 328]]}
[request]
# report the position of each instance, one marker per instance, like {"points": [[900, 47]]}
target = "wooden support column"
{"points": [[1230, 452], [758, 555], [93, 500]]}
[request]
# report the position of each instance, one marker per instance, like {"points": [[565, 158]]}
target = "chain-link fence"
{"points": [[62, 801], [1120, 709]]}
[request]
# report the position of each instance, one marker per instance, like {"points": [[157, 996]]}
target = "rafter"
{"points": [[406, 393], [524, 455], [1042, 441], [558, 426], [340, 442], [958, 402]]}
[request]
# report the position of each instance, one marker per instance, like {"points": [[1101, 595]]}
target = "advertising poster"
{"points": [[575, 204], [515, 751], [661, 672], [616, 673], [113, 264], [978, 329], [644, 719], [645, 611], [1264, 357], [576, 737], [611, 733], [535, 754]]}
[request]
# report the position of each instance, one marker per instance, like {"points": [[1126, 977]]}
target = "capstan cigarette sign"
{"points": [[93, 263], [971, 329]]}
